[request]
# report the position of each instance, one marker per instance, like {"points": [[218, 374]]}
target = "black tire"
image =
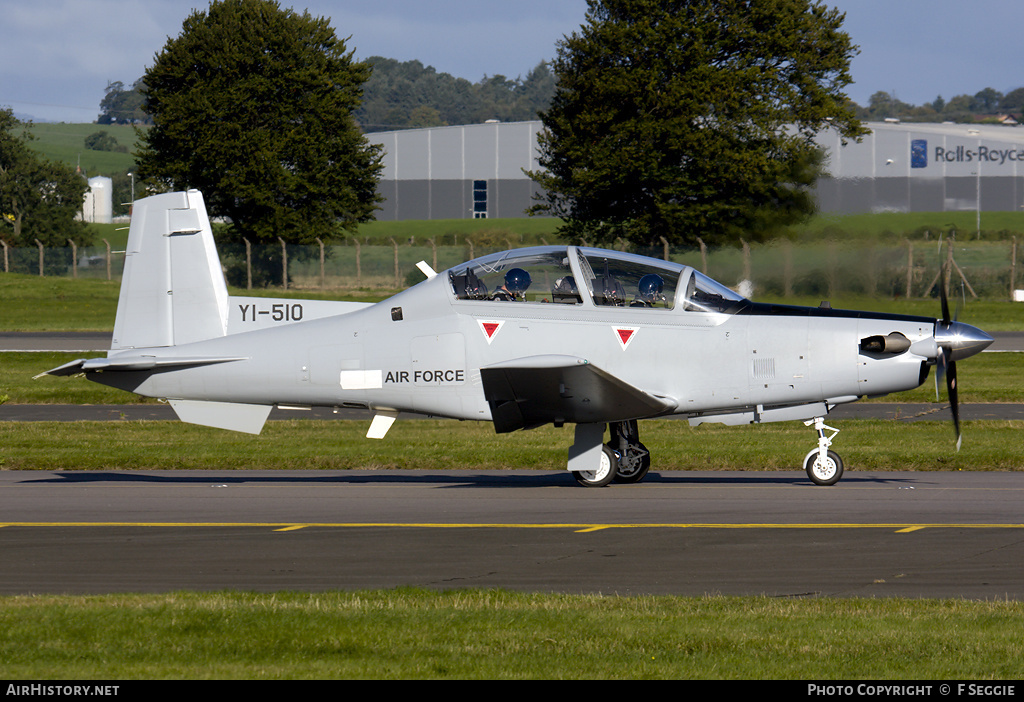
{"points": [[602, 476], [638, 473], [828, 474]]}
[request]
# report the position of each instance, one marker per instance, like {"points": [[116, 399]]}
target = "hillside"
{"points": [[66, 143]]}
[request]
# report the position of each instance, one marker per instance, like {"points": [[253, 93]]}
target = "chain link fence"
{"points": [[911, 269]]}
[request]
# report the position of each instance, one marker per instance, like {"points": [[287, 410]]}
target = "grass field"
{"points": [[34, 303], [889, 229], [301, 444], [498, 635], [502, 233], [66, 143], [910, 224]]}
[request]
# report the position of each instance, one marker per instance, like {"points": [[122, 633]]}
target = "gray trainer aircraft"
{"points": [[523, 338]]}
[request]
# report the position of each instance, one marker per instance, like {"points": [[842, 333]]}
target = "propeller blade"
{"points": [[954, 341], [961, 302], [954, 402], [946, 369], [943, 297], [940, 372]]}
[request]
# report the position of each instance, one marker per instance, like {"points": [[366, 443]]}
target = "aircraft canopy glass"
{"points": [[607, 279], [617, 279], [527, 275], [706, 295]]}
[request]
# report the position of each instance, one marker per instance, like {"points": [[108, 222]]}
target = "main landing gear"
{"points": [[624, 459], [823, 466], [632, 457]]}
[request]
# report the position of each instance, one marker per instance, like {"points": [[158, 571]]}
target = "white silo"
{"points": [[99, 201]]}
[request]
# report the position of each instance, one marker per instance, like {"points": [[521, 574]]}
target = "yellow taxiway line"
{"points": [[582, 528]]}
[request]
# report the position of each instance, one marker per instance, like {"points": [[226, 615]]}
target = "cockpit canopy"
{"points": [[589, 276]]}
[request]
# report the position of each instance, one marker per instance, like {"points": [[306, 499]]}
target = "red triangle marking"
{"points": [[625, 335], [489, 328]]}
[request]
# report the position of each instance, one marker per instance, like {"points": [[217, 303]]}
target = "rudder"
{"points": [[172, 290]]}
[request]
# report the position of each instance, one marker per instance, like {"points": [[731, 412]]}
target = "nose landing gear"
{"points": [[823, 466]]}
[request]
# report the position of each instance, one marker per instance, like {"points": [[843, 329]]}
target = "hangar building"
{"points": [[478, 170]]}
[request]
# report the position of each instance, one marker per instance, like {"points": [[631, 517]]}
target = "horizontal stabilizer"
{"points": [[69, 368], [234, 416], [135, 363], [530, 392]]}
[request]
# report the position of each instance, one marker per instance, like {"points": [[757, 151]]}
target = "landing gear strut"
{"points": [[824, 467], [633, 457]]}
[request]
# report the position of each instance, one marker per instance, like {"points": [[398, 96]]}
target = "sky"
{"points": [[58, 56]]}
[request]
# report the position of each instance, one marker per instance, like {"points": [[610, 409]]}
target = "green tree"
{"points": [[408, 94], [883, 105], [120, 106], [534, 93], [960, 107], [692, 118], [39, 199], [987, 100], [1013, 100], [253, 105], [102, 141]]}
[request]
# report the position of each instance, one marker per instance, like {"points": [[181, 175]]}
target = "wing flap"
{"points": [[530, 392]]}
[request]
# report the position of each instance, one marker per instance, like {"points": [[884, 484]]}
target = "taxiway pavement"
{"points": [[687, 533]]}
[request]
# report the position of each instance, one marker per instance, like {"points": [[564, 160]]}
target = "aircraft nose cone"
{"points": [[962, 340]]}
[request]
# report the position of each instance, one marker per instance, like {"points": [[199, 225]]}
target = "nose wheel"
{"points": [[823, 466]]}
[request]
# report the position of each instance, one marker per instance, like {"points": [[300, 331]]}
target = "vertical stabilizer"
{"points": [[172, 289]]}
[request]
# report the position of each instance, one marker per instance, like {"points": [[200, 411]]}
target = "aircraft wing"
{"points": [[530, 392]]}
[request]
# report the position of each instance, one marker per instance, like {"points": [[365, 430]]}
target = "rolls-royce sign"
{"points": [[963, 154]]}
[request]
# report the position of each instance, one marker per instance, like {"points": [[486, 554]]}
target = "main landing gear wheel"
{"points": [[634, 465], [823, 473], [604, 474]]}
